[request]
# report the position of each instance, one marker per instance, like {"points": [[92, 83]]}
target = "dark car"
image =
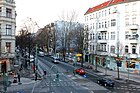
{"points": [[80, 71], [106, 82]]}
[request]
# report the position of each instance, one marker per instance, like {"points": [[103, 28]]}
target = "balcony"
{"points": [[133, 55], [104, 53], [133, 27], [133, 40], [102, 41], [102, 30]]}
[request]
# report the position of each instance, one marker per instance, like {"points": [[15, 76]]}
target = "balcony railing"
{"points": [[133, 27]]}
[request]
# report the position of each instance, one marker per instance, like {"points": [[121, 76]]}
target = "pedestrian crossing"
{"points": [[127, 88], [57, 83]]}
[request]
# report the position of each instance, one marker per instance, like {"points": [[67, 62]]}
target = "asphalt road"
{"points": [[68, 83]]}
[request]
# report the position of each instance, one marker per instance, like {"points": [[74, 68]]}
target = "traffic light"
{"points": [[57, 76], [119, 63]]}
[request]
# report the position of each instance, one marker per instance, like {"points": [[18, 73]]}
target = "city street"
{"points": [[67, 82]]}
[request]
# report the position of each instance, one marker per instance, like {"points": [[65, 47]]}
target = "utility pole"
{"points": [[96, 43], [36, 63], [118, 61]]}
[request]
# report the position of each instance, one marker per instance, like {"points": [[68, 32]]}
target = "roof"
{"points": [[103, 5]]}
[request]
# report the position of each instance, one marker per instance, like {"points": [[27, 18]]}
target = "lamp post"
{"points": [[36, 64], [106, 63], [128, 60], [5, 76]]}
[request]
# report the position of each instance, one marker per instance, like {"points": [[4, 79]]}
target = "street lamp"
{"points": [[128, 60], [106, 63], [36, 63]]}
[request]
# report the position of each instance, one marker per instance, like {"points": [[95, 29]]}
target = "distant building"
{"points": [[7, 31], [113, 30]]}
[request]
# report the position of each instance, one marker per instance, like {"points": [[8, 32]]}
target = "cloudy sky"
{"points": [[46, 11]]}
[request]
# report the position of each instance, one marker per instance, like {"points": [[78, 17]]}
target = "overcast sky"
{"points": [[46, 11]]}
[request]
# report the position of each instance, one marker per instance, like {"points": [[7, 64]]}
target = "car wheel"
{"points": [[98, 82], [105, 84]]}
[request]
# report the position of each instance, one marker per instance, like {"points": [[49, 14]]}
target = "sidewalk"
{"points": [[114, 74], [27, 76]]}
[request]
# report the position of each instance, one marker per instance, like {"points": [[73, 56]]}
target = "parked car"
{"points": [[106, 82], [89, 67], [56, 60], [80, 71], [41, 53]]}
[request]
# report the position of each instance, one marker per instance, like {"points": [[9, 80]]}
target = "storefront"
{"points": [[4, 65]]}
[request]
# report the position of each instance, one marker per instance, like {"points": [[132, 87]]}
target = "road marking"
{"points": [[33, 88], [91, 92]]}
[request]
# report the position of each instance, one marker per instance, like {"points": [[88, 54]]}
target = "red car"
{"points": [[80, 71]]}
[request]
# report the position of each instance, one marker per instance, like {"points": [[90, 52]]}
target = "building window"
{"points": [[133, 49], [105, 47], [112, 49], [93, 36], [90, 36], [99, 14], [10, 1], [90, 26], [93, 26], [105, 12], [134, 32], [108, 24], [126, 21], [134, 20], [8, 29], [102, 24], [113, 22], [126, 49], [8, 12], [127, 8], [93, 47], [112, 35], [134, 7], [96, 15], [96, 25], [127, 35], [90, 17], [102, 13], [0, 11], [99, 25], [93, 16], [8, 47], [105, 24], [109, 11]]}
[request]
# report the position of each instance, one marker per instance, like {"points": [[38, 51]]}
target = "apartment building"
{"points": [[113, 30], [7, 33]]}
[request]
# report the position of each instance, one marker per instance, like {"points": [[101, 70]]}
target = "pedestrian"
{"points": [[18, 76], [45, 72], [74, 72]]}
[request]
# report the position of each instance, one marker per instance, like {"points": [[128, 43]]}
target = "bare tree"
{"points": [[25, 38], [71, 32]]}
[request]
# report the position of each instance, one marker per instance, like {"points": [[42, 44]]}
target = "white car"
{"points": [[55, 60], [40, 53]]}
